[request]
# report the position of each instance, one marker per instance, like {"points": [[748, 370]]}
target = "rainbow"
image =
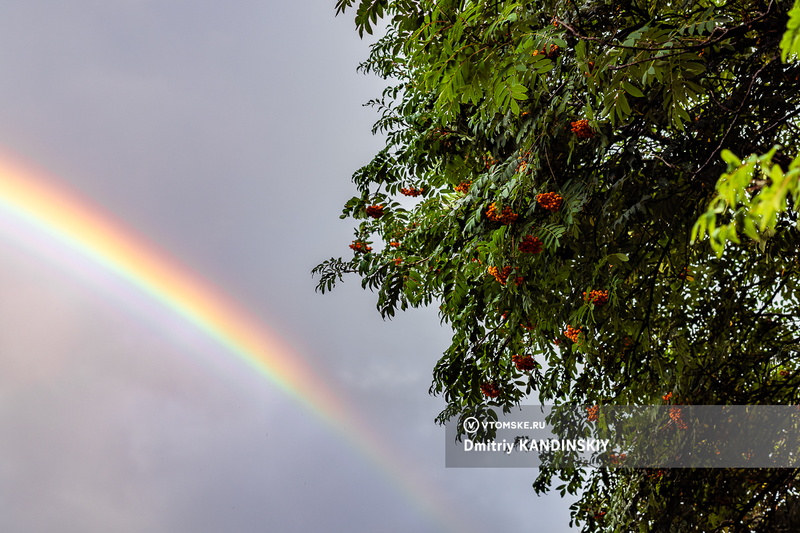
{"points": [[65, 219]]}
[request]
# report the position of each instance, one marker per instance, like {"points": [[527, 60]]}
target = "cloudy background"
{"points": [[225, 134]]}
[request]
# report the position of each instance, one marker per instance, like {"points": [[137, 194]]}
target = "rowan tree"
{"points": [[550, 180]]}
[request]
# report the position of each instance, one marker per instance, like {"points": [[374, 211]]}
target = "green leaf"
{"points": [[632, 90], [730, 158], [622, 103], [790, 43]]}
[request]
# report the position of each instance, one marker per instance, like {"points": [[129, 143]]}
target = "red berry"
{"points": [[531, 245], [490, 389], [524, 362]]}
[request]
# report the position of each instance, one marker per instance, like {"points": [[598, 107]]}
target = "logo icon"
{"points": [[471, 425]]}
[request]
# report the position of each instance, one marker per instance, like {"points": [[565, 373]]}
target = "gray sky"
{"points": [[225, 134]]}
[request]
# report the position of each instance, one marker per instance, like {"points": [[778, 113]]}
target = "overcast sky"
{"points": [[225, 133]]}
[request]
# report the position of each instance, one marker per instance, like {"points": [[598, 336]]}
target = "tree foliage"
{"points": [[550, 172]]}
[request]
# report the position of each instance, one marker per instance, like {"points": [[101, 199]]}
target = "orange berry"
{"points": [[676, 415], [617, 459], [463, 187], [550, 200], [375, 211], [573, 334], [500, 275], [582, 129], [598, 298], [411, 191], [505, 217], [360, 247]]}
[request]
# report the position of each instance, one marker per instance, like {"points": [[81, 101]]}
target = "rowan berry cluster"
{"points": [[550, 200], [627, 343], [572, 334], [617, 458], [463, 187], [524, 362], [592, 413], [582, 129], [500, 275], [489, 161], [522, 160], [411, 191], [667, 397], [676, 415], [360, 247], [490, 389], [531, 245], [596, 297], [375, 211], [394, 244], [550, 52], [398, 260], [505, 217]]}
